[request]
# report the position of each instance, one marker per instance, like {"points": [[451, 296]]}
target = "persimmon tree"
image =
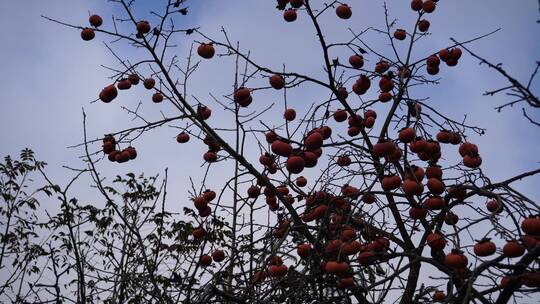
{"points": [[342, 205]]}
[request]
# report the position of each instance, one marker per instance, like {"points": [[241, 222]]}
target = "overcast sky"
{"points": [[49, 74]]}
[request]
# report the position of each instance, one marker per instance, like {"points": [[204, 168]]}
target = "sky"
{"points": [[49, 75]]}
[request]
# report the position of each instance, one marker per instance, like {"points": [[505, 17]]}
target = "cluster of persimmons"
{"points": [[346, 237]]}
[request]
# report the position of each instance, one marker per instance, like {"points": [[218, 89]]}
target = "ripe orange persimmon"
{"points": [[132, 152], [351, 248], [205, 212], [436, 241], [370, 113], [423, 25], [200, 202], [343, 11], [281, 148], [277, 82], [356, 61], [383, 148], [386, 84], [439, 296], [347, 234], [122, 156], [325, 131], [289, 15], [369, 122], [451, 218], [394, 156], [108, 147], [456, 260], [133, 79], [484, 248], [390, 182], [342, 93], [210, 156], [149, 83], [432, 70], [493, 206], [444, 136], [277, 271], [253, 191], [407, 135], [456, 53], [209, 195], [204, 112], [343, 161], [157, 97], [87, 34], [143, 27], [270, 136], [353, 131], [435, 186], [367, 258], [310, 158], [123, 84], [531, 225], [434, 172], [416, 5], [242, 95], [369, 198], [108, 93], [428, 6], [198, 233], [362, 85], [382, 66], [472, 161], [205, 260], [95, 20], [304, 250], [218, 255], [206, 50], [112, 155], [385, 96], [340, 115], [444, 54], [531, 279], [347, 282], [334, 267], [468, 148], [415, 173], [182, 137], [295, 164], [433, 60], [412, 187], [289, 114], [513, 249], [434, 203], [400, 34], [301, 181], [417, 213], [313, 141]]}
